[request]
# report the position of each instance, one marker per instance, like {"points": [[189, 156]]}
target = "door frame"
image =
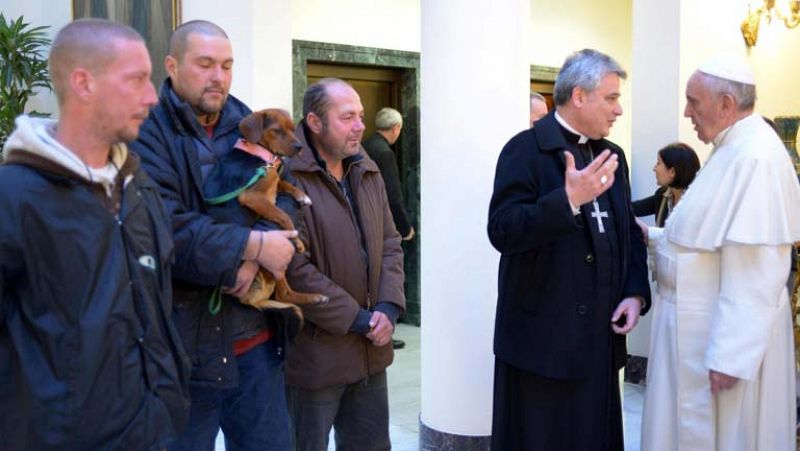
{"points": [[408, 63]]}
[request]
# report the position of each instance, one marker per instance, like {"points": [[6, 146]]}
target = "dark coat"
{"points": [[326, 353], [207, 252], [546, 286], [378, 149], [89, 357], [653, 205]]}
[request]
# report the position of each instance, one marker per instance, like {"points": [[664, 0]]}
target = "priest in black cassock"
{"points": [[573, 270]]}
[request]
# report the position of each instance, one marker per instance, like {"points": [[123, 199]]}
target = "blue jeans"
{"points": [[252, 416], [358, 412]]}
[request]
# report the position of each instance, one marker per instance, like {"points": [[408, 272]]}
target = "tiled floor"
{"points": [[405, 402]]}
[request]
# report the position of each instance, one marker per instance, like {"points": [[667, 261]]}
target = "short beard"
{"points": [[208, 110]]}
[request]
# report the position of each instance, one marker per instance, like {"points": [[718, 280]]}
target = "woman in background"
{"points": [[675, 169]]}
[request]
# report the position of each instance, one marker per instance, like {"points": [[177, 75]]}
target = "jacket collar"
{"points": [[553, 137], [309, 160]]}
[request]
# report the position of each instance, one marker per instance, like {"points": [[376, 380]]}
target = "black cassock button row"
{"points": [[589, 258]]}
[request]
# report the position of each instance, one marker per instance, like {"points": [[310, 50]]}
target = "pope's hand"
{"points": [[720, 381]]}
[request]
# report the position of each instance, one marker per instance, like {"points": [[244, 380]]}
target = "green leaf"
{"points": [[23, 68]]}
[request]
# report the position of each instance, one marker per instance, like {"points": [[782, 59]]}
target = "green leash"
{"points": [[215, 303], [260, 172]]}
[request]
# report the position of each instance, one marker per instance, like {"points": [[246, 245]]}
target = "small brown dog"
{"points": [[273, 130]]}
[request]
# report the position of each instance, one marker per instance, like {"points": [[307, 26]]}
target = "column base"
{"points": [[433, 440]]}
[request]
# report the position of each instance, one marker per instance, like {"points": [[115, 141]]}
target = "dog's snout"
{"points": [[297, 146]]}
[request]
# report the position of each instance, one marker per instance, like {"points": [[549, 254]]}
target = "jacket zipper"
{"points": [[363, 250]]}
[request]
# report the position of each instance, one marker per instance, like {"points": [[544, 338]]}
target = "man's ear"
{"points": [[81, 83], [314, 123], [578, 96], [727, 105], [171, 64]]}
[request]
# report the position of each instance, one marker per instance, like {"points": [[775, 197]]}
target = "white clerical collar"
{"points": [[582, 138], [717, 141]]}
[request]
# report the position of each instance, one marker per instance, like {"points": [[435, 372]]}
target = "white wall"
{"points": [[773, 58], [560, 27], [388, 24], [260, 33]]}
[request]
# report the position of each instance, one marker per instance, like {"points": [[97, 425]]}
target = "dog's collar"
{"points": [[270, 158]]}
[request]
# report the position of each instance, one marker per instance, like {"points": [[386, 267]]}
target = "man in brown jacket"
{"points": [[336, 369]]}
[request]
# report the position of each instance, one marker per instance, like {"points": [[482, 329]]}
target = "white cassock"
{"points": [[721, 268]]}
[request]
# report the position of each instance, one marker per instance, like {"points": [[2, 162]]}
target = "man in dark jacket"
{"points": [[89, 357], [237, 365], [573, 271], [336, 369], [389, 124]]}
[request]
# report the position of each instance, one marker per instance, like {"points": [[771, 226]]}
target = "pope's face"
{"points": [[703, 108]]}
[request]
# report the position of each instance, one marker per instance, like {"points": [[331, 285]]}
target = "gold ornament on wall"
{"points": [[769, 10]]}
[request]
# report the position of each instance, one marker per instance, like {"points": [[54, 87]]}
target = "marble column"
{"points": [[656, 111], [474, 84]]}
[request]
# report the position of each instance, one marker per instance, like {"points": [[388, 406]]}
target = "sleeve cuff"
{"points": [[575, 210], [390, 310], [361, 323]]}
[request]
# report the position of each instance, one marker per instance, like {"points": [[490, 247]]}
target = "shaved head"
{"points": [[84, 44], [178, 42]]}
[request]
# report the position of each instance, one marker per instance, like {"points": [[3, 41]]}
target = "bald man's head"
{"points": [[84, 44], [179, 41]]}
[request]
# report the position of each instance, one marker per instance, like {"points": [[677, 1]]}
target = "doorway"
{"points": [[543, 79], [382, 78]]}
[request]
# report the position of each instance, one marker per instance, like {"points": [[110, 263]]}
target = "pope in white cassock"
{"points": [[721, 373]]}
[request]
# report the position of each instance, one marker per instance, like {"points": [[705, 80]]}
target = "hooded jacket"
{"points": [[89, 358]]}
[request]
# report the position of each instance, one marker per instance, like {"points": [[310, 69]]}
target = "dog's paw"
{"points": [[305, 200]]}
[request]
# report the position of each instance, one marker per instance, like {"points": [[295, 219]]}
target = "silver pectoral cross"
{"points": [[599, 215]]}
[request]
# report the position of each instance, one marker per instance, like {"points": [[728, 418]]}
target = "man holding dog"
{"points": [[573, 270], [336, 369], [237, 365], [89, 356]]}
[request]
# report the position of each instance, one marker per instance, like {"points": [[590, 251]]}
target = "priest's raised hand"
{"points": [[586, 184]]}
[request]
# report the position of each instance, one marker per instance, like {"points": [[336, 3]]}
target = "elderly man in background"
{"points": [[538, 107], [389, 124], [721, 368]]}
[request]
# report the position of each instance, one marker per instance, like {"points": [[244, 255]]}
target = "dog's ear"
{"points": [[252, 126]]}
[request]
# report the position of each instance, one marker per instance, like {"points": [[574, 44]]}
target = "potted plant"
{"points": [[23, 70]]}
